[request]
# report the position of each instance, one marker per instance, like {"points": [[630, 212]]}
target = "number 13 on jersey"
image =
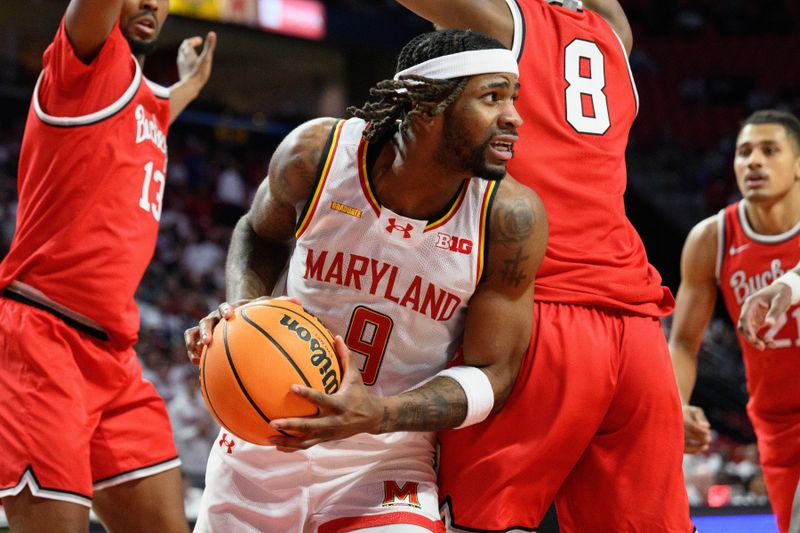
{"points": [[368, 334]]}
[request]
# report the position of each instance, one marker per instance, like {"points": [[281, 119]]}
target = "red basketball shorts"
{"points": [[779, 453], [75, 415], [594, 422]]}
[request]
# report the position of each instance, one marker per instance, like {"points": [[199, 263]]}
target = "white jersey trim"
{"points": [[628, 65], [138, 474], [758, 237], [91, 118], [519, 28], [720, 244], [159, 90], [29, 480], [32, 293]]}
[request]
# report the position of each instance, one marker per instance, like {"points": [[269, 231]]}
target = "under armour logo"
{"points": [[393, 225], [229, 443]]}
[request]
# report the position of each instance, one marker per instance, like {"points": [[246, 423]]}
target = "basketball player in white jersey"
{"points": [[404, 235]]}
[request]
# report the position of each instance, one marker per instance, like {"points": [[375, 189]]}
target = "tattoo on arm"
{"points": [[512, 225], [513, 222], [440, 404], [512, 272]]}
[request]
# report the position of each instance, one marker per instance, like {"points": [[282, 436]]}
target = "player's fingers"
{"points": [[209, 46], [206, 329], [226, 310], [699, 416], [316, 397], [190, 43], [777, 306]]}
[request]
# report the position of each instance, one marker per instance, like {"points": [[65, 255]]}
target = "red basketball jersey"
{"points": [[579, 101], [746, 262], [91, 183]]}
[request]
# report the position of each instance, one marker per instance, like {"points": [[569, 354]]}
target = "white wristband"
{"points": [[792, 280], [477, 387]]}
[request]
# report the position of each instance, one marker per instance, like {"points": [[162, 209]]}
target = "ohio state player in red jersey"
{"points": [[79, 427], [594, 420], [742, 249]]}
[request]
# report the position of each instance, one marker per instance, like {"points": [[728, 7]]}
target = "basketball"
{"points": [[253, 360]]}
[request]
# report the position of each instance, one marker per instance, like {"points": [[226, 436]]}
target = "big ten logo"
{"points": [[454, 244], [407, 494]]}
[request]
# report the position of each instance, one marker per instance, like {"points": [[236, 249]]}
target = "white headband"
{"points": [[467, 63]]}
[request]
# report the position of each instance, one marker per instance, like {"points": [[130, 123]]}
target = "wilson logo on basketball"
{"points": [[319, 356]]}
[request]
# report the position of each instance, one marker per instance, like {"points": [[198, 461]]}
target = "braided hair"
{"points": [[399, 101]]}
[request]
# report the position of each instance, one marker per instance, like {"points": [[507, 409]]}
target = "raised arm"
{"points": [[612, 11], [498, 329], [694, 306], [261, 241], [193, 70], [88, 24], [491, 17]]}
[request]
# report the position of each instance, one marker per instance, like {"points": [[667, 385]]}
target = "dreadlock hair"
{"points": [[783, 118], [399, 101]]}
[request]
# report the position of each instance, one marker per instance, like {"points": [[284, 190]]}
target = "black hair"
{"points": [[774, 116], [401, 100]]}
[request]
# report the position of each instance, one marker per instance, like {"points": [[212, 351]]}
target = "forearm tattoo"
{"points": [[439, 404]]}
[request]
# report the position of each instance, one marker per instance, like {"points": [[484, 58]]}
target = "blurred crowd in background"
{"points": [[701, 67]]}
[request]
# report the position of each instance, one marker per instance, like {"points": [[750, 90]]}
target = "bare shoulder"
{"points": [[517, 235], [699, 257], [705, 233], [293, 167], [517, 211]]}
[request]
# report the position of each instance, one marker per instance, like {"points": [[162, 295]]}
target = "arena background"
{"points": [[701, 66]]}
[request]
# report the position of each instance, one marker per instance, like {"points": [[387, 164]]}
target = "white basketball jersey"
{"points": [[396, 289]]}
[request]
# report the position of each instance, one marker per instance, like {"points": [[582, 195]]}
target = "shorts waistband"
{"points": [[17, 292]]}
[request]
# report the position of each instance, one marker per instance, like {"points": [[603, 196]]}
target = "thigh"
{"points": [[517, 459], [25, 512], [630, 477], [153, 503], [133, 438], [46, 421]]}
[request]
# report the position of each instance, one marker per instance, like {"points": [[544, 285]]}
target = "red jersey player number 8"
{"points": [[586, 103]]}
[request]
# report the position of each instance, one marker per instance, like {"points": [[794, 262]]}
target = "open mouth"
{"points": [[145, 25], [502, 149]]}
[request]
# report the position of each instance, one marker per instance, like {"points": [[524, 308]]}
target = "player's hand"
{"points": [[760, 311], [347, 412], [696, 430], [201, 335], [193, 65]]}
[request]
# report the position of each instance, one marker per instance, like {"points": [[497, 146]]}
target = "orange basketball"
{"points": [[254, 358]]}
